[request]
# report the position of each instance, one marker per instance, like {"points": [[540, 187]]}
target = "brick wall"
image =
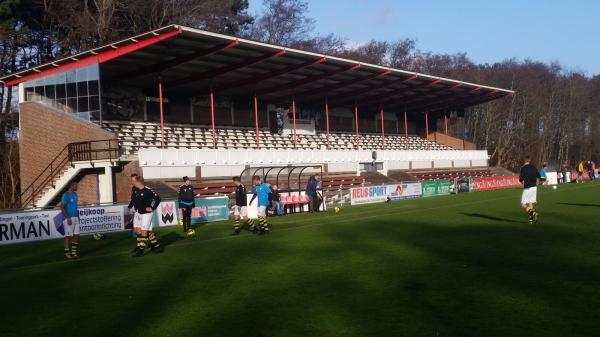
{"points": [[44, 132], [122, 180]]}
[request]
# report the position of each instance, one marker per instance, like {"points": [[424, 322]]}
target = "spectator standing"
{"points": [[276, 199], [314, 201]]}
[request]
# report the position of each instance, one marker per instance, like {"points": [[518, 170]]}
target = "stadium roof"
{"points": [[191, 60]]}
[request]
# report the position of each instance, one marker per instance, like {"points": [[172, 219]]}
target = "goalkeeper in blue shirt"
{"points": [[261, 191]]}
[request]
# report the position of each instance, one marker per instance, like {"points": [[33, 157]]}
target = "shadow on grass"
{"points": [[579, 204], [489, 217]]}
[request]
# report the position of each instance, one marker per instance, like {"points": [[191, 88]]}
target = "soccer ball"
{"points": [[191, 233], [554, 187], [337, 209], [98, 236]]}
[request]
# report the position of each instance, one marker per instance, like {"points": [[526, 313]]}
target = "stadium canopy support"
{"points": [[212, 118], [405, 129], [427, 128], [256, 121], [382, 128], [162, 115], [327, 121], [446, 128], [356, 123], [294, 118]]}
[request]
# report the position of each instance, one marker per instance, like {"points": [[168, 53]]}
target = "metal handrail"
{"points": [[75, 152]]}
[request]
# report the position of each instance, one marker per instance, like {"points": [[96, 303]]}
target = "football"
{"points": [[554, 187], [98, 236], [337, 209], [191, 233]]}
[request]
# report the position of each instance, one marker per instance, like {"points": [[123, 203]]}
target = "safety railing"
{"points": [[106, 149]]}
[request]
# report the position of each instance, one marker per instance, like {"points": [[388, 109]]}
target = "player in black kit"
{"points": [[143, 201], [186, 203]]}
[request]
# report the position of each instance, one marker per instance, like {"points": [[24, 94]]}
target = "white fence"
{"points": [[175, 163]]}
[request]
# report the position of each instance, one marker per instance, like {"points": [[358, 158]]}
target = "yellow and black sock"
{"points": [[74, 246], [236, 224], [250, 223], [263, 224], [142, 243], [153, 240], [66, 251]]}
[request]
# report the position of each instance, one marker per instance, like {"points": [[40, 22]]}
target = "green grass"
{"points": [[465, 265]]}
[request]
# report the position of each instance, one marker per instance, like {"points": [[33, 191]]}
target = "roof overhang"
{"points": [[194, 61]]}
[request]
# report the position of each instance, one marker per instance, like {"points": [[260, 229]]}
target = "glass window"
{"points": [[39, 91], [72, 105], [94, 103], [81, 75], [61, 91], [71, 90], [82, 89], [93, 87], [76, 91], [82, 104], [50, 91], [71, 76]]}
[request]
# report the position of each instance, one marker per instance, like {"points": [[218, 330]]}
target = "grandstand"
{"points": [[181, 101]]}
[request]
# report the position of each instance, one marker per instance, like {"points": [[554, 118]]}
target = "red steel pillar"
{"points": [[212, 118], [405, 130], [294, 117], [327, 120], [427, 128], [162, 119], [256, 121], [356, 123], [382, 128], [446, 128]]}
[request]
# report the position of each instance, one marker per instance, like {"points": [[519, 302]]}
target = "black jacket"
{"points": [[275, 196], [186, 194], [142, 199], [529, 176], [241, 198]]}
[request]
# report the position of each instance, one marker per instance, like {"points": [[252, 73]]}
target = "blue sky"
{"points": [[488, 31]]}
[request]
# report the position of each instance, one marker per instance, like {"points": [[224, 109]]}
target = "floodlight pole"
{"points": [[294, 117], [405, 129], [382, 128], [162, 119], [427, 128], [212, 118], [356, 123], [256, 120], [327, 120]]}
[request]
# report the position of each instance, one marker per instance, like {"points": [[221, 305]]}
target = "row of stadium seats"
{"points": [[435, 175], [141, 135]]}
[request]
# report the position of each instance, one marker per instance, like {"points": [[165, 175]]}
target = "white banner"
{"points": [[48, 224], [100, 219], [405, 191], [167, 214], [368, 194], [552, 178], [28, 226]]}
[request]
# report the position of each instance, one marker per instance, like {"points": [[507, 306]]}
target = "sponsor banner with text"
{"points": [[210, 209], [368, 194], [405, 191], [495, 183], [435, 187]]}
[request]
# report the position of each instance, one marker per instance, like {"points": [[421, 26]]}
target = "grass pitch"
{"points": [[465, 265]]}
